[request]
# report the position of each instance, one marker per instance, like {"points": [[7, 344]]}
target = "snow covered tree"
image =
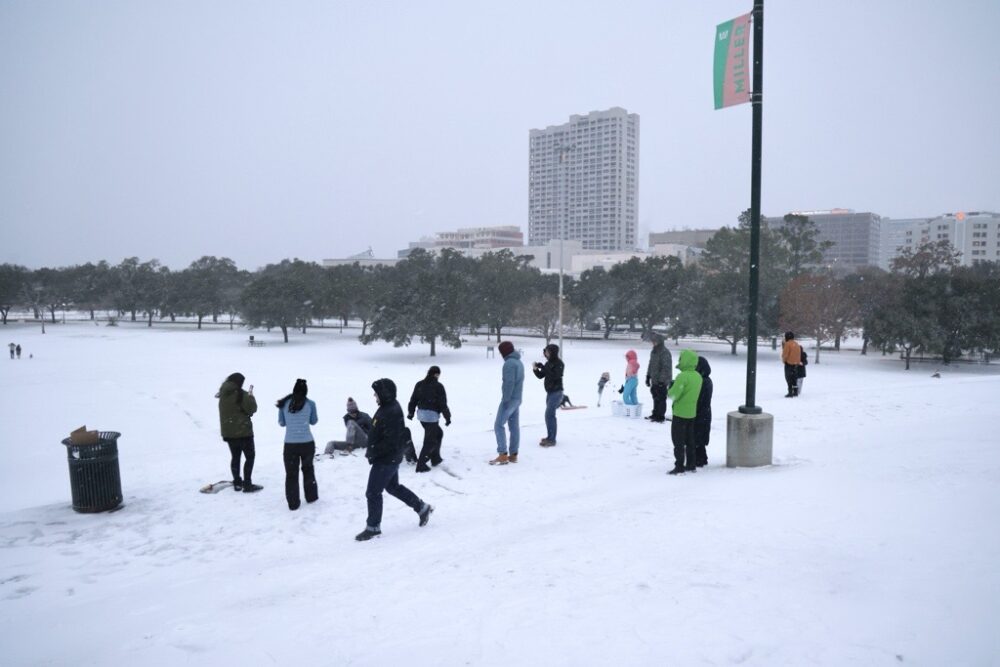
{"points": [[281, 296], [500, 283], [818, 307], [12, 281]]}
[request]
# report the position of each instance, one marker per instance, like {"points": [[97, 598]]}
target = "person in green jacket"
{"points": [[684, 393], [236, 407]]}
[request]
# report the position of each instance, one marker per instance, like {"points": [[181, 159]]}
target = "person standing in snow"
{"points": [[430, 402], [631, 378], [791, 356], [358, 425], [801, 372], [385, 452], [659, 375], [551, 373], [18, 350], [11, 346], [703, 419], [297, 413], [684, 392], [511, 389], [236, 407]]}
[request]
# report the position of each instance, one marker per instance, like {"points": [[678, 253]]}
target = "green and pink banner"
{"points": [[732, 62]]}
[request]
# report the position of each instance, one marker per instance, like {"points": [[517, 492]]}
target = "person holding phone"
{"points": [[236, 407]]}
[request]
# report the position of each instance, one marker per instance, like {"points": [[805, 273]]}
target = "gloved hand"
{"points": [[621, 389], [447, 422], [649, 381], [410, 416]]}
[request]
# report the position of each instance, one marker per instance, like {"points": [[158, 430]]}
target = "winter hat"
{"points": [[351, 405], [236, 378], [505, 348], [433, 370]]}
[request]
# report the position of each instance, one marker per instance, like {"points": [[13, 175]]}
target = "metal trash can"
{"points": [[93, 473]]}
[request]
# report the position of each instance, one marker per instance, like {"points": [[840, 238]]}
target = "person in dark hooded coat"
{"points": [[430, 402], [386, 443], [703, 420], [551, 373], [236, 407]]}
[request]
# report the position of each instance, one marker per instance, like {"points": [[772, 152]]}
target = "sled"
{"points": [[216, 487]]}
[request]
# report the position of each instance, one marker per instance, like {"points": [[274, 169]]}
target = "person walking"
{"points": [[511, 389], [551, 373], [659, 375], [297, 413], [236, 407], [703, 419], [684, 392], [430, 402], [631, 378], [11, 346], [18, 350], [385, 452], [791, 356]]}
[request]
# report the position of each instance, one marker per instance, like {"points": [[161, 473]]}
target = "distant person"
{"points": [[601, 383], [684, 392], [385, 452], [631, 379], [511, 389], [551, 373], [358, 425], [12, 347], [236, 407], [703, 419], [297, 413], [801, 373], [18, 350], [659, 375], [429, 401], [791, 356]]}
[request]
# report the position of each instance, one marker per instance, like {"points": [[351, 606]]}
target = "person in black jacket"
{"points": [[552, 374], [386, 442], [703, 419], [430, 401]]}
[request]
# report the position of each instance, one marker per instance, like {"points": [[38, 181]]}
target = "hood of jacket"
{"points": [[688, 360], [553, 351], [631, 355], [385, 390], [228, 388], [703, 367]]}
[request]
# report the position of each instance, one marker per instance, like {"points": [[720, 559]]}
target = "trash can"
{"points": [[93, 473]]}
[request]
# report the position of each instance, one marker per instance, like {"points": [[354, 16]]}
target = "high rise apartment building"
{"points": [[583, 181], [976, 235]]}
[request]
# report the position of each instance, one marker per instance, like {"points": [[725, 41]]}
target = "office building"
{"points": [[855, 238]]}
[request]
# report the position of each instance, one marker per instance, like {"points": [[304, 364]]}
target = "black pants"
{"points": [[300, 455], [245, 447], [659, 392], [792, 379], [431, 450], [385, 476], [701, 434], [682, 435]]}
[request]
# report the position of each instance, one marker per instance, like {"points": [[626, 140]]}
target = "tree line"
{"points": [[927, 303]]}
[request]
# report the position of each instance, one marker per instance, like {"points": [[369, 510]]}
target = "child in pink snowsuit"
{"points": [[631, 378]]}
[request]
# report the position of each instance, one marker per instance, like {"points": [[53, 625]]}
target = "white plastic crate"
{"points": [[619, 409]]}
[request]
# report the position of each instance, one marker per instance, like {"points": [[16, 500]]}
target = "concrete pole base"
{"points": [[749, 440]]}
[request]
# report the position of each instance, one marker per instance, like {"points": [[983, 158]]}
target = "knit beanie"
{"points": [[505, 348], [351, 405]]}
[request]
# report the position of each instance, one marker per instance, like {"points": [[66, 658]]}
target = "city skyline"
{"points": [[176, 130]]}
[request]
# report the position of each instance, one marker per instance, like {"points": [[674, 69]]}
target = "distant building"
{"points": [[686, 237], [898, 234], [506, 236], [855, 237], [688, 254], [976, 235], [583, 181], [366, 258]]}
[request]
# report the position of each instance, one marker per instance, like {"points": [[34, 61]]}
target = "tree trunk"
{"points": [[817, 350], [133, 316], [52, 313], [864, 345], [215, 318], [149, 322], [836, 343], [364, 327], [91, 314], [433, 351], [284, 332], [200, 317], [907, 358], [3, 314], [732, 346]]}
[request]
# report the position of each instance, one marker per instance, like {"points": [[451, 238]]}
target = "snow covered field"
{"points": [[872, 540]]}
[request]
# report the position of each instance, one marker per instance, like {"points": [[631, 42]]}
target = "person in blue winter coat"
{"points": [[297, 413], [508, 412], [386, 443], [703, 420]]}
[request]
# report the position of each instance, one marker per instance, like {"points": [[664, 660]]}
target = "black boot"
{"points": [[249, 487], [368, 533], [678, 470], [425, 514], [237, 484]]}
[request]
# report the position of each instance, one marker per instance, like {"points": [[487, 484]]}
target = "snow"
{"points": [[872, 540]]}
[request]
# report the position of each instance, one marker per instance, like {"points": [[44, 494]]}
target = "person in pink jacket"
{"points": [[631, 378]]}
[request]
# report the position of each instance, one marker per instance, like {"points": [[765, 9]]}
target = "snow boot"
{"points": [[368, 533], [512, 458], [237, 485], [248, 487], [678, 470], [500, 460], [425, 514], [545, 442], [422, 467]]}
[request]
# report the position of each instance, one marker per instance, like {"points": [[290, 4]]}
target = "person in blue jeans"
{"points": [[508, 416], [297, 413], [386, 443], [551, 373]]}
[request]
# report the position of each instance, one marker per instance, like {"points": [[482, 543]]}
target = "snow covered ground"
{"points": [[872, 540]]}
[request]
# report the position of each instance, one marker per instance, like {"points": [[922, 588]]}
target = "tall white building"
{"points": [[583, 181], [976, 235]]}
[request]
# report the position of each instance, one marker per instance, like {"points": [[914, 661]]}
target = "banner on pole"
{"points": [[732, 55]]}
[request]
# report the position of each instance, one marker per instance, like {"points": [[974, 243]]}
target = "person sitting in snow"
{"points": [[358, 424]]}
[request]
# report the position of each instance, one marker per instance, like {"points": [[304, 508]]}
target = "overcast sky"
{"points": [[268, 130]]}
